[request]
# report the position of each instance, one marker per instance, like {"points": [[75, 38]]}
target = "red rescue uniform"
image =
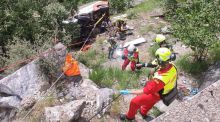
{"points": [[133, 59], [151, 96]]}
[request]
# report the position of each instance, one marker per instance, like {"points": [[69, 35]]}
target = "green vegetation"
{"points": [[92, 58], [106, 77], [188, 65], [153, 49], [145, 6], [37, 115], [196, 24], [156, 112], [118, 6]]}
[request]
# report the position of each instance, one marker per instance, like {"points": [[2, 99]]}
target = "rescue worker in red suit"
{"points": [[163, 81], [130, 55]]}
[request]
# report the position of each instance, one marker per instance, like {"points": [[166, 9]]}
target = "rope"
{"points": [[45, 52], [44, 96], [112, 100]]}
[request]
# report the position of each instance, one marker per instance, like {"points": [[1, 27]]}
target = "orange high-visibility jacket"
{"points": [[71, 67]]}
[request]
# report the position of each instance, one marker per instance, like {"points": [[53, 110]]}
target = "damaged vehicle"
{"points": [[87, 17]]}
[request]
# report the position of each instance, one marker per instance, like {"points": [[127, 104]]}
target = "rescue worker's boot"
{"points": [[123, 117], [147, 118]]}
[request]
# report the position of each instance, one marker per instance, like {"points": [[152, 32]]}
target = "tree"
{"points": [[196, 24]]}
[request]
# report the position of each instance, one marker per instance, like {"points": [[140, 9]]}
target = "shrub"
{"points": [[193, 67], [214, 53], [117, 6], [196, 23], [17, 50]]}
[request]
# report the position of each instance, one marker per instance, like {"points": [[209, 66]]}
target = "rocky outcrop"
{"points": [[210, 76], [88, 91], [69, 112], [203, 107], [27, 81]]}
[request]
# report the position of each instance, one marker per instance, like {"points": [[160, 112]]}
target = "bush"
{"points": [[188, 65], [118, 6], [214, 53], [196, 23], [17, 50]]}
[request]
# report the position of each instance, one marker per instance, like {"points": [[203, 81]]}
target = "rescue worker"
{"points": [[121, 29], [131, 54], [112, 47], [71, 70], [161, 41], [162, 83]]}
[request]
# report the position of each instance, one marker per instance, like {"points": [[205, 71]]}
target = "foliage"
{"points": [[106, 77], [196, 23], [214, 53], [153, 49], [147, 5], [156, 112], [186, 64], [17, 51], [92, 58], [118, 6]]}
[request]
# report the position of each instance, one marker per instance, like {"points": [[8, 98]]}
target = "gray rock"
{"points": [[5, 91], [202, 107], [165, 30], [103, 98], [65, 113], [9, 102], [28, 102], [84, 71]]}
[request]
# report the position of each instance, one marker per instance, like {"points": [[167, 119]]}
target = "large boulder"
{"points": [[96, 99], [65, 113], [203, 107], [9, 102], [29, 79]]}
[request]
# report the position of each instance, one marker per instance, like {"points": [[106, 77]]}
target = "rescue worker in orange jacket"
{"points": [[71, 69], [162, 83], [131, 54]]}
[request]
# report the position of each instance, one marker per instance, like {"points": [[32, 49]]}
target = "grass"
{"points": [[147, 5], [156, 112], [37, 115], [186, 64], [153, 49], [92, 58], [214, 54], [106, 77]]}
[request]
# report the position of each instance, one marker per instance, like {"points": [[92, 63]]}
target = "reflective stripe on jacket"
{"points": [[169, 78]]}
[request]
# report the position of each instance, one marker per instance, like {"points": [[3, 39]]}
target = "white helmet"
{"points": [[131, 48]]}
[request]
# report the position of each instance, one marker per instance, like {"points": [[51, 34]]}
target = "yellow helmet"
{"points": [[163, 54], [160, 38]]}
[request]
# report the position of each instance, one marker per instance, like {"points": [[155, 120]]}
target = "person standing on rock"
{"points": [[131, 54], [71, 70], [161, 86]]}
